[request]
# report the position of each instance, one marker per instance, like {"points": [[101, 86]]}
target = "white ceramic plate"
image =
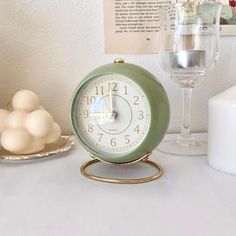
{"points": [[64, 144]]}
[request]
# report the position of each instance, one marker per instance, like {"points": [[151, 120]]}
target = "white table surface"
{"points": [[52, 198]]}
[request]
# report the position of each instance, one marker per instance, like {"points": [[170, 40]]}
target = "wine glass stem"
{"points": [[186, 123]]}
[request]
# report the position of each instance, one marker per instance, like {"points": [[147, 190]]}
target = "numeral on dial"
{"points": [[90, 99], [85, 114], [141, 114], [136, 98], [112, 86], [100, 137], [127, 139], [126, 90], [90, 128], [137, 129], [113, 142], [99, 90]]}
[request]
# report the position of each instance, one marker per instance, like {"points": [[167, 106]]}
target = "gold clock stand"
{"points": [[143, 159]]}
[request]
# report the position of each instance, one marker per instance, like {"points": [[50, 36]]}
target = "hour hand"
{"points": [[109, 115], [98, 114]]}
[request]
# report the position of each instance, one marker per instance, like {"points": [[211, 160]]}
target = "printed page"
{"points": [[132, 26]]}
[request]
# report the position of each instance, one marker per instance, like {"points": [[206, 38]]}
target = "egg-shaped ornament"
{"points": [[120, 113]]}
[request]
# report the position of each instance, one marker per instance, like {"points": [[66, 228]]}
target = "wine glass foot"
{"points": [[174, 146]]}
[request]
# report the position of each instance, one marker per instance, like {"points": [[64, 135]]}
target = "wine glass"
{"points": [[189, 46]]}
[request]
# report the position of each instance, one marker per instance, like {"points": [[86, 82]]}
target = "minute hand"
{"points": [[111, 99]]}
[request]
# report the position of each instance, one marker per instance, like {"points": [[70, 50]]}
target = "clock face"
{"points": [[113, 114]]}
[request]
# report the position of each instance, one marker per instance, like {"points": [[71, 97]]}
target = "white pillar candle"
{"points": [[222, 131]]}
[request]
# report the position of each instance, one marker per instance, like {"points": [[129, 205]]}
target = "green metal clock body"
{"points": [[120, 113]]}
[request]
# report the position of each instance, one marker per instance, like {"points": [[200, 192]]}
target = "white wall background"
{"points": [[49, 45]]}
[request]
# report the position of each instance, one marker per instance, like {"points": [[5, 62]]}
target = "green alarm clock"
{"points": [[120, 113]]}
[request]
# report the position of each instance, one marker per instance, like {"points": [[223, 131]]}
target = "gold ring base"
{"points": [[122, 181]]}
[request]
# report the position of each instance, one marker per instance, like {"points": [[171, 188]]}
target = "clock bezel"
{"points": [[158, 124]]}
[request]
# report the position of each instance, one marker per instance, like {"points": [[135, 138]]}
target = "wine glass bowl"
{"points": [[189, 47]]}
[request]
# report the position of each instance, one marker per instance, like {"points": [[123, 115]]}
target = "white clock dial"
{"points": [[113, 114]]}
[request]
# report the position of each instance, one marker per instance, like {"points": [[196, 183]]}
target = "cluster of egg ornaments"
{"points": [[29, 127]]}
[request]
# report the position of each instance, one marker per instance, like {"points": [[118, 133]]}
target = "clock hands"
{"points": [[110, 114]]}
